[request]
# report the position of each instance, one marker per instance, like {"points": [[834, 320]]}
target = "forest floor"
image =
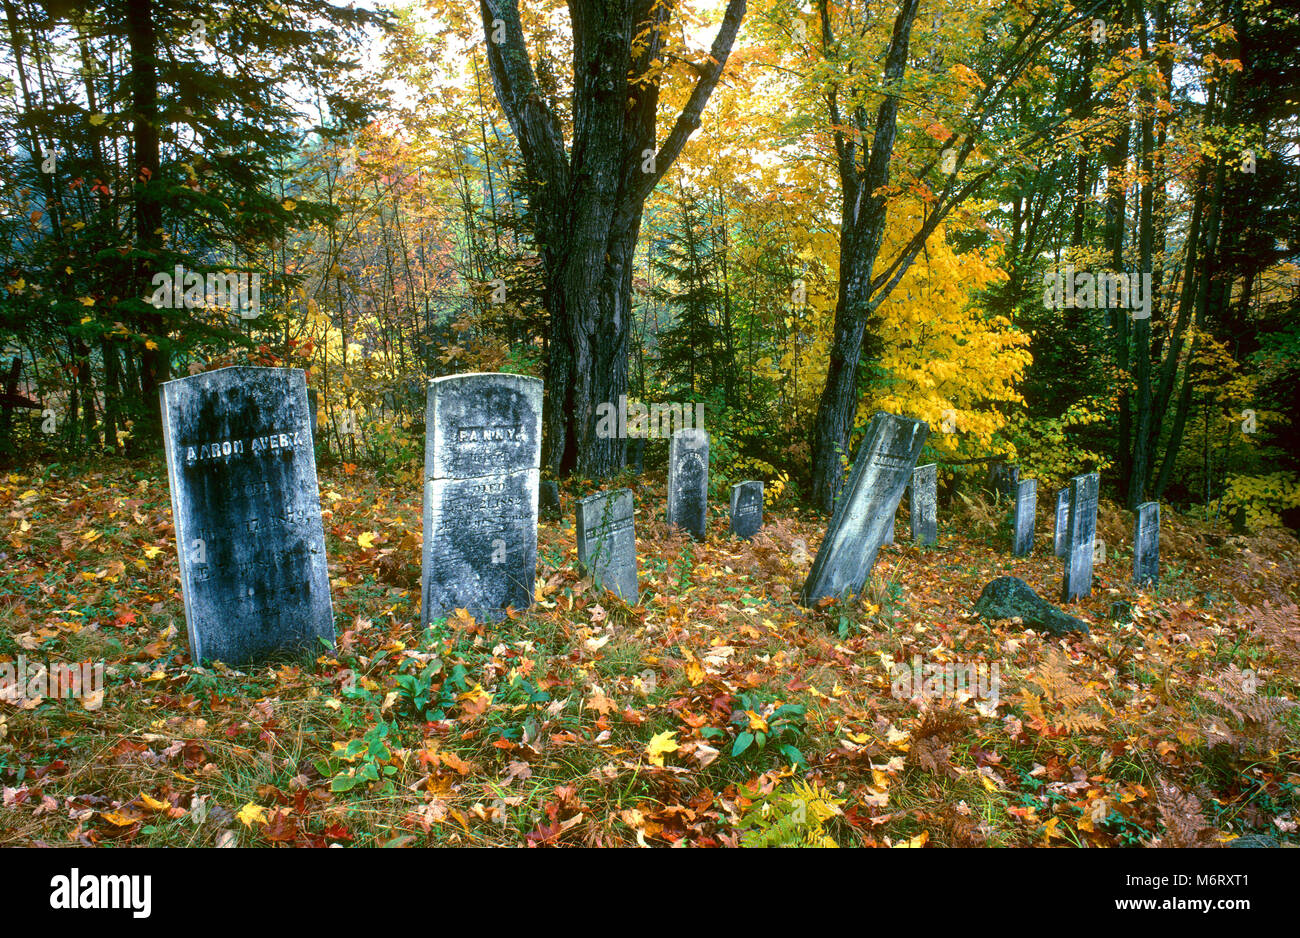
{"points": [[588, 721]]}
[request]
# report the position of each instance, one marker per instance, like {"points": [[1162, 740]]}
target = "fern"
{"points": [[1058, 707], [791, 818], [1185, 825], [1246, 721]]}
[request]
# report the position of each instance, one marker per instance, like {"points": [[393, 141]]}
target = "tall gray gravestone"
{"points": [[922, 502], [483, 447], [1022, 527], [866, 507], [607, 541], [688, 481], [1081, 531], [242, 475], [1062, 521], [746, 508], [1146, 544]]}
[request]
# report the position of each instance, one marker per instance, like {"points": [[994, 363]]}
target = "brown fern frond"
{"points": [[1184, 823]]}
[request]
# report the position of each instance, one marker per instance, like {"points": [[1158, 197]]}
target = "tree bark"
{"points": [[587, 200]]}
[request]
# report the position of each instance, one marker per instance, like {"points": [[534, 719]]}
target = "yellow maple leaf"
{"points": [[660, 745], [366, 540], [150, 344], [917, 841], [97, 119], [151, 552], [86, 300], [152, 803], [121, 820], [252, 813]]}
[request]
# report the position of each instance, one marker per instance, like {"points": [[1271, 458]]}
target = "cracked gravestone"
{"points": [[1010, 597]]}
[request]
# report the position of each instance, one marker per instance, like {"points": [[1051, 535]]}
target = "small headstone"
{"points": [[242, 473], [1146, 544], [922, 502], [634, 458], [548, 499], [482, 455], [1003, 478], [889, 534], [688, 481], [1080, 534], [1022, 528], [866, 507], [746, 508], [607, 541], [1062, 520], [313, 405]]}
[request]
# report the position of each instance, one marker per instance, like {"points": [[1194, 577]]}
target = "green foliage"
{"points": [[791, 818]]}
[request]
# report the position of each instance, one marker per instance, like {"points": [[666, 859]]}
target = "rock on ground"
{"points": [[1010, 597]]}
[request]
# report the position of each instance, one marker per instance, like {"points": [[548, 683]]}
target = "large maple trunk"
{"points": [[586, 198]]}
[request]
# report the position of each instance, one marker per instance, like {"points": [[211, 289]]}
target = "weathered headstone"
{"points": [[866, 507], [1080, 533], [1062, 520], [607, 541], [482, 455], [242, 474], [1146, 544], [746, 508], [889, 534], [635, 455], [688, 481], [921, 504], [1022, 527], [548, 499], [1003, 478]]}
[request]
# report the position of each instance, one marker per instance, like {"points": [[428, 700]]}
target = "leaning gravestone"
{"points": [[1062, 520], [746, 508], [1146, 544], [482, 455], [866, 507], [1022, 534], [1079, 536], [688, 481], [242, 474], [607, 541], [921, 503]]}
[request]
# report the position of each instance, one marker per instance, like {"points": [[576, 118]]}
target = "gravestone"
{"points": [[746, 508], [1081, 531], [688, 481], [548, 499], [1062, 521], [607, 542], [482, 455], [313, 404], [889, 534], [921, 504], [866, 507], [634, 458], [1003, 478], [1022, 528], [242, 473], [1146, 544]]}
